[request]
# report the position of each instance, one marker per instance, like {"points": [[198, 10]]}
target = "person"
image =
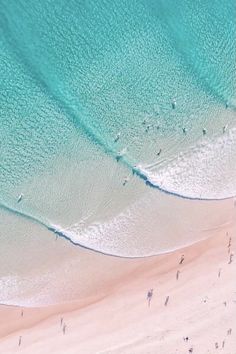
{"points": [[64, 328], [126, 179], [167, 300], [181, 259], [121, 154], [231, 258], [177, 274], [19, 343], [20, 198], [117, 137], [149, 296]]}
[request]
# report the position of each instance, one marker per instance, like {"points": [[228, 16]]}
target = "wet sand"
{"points": [[192, 307]]}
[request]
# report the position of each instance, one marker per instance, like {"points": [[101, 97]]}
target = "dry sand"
{"points": [[195, 299]]}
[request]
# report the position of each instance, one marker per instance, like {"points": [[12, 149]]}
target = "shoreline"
{"points": [[134, 327], [61, 273]]}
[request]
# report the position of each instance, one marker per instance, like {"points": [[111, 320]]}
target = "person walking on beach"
{"points": [[61, 320], [177, 274], [181, 259], [229, 244], [231, 258], [64, 328], [167, 300], [19, 342], [126, 180], [149, 296]]}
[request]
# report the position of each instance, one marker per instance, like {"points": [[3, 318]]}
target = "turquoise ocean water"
{"points": [[103, 101]]}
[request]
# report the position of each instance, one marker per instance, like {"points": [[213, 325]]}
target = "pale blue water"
{"points": [[87, 97]]}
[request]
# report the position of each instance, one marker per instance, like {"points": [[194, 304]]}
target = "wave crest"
{"points": [[205, 171]]}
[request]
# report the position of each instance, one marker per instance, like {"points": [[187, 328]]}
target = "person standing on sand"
{"points": [[177, 274], [181, 259], [149, 296], [229, 245], [19, 343], [167, 300], [64, 328], [231, 258]]}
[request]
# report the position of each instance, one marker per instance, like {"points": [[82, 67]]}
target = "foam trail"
{"points": [[72, 116], [208, 163], [66, 105], [70, 106], [95, 138], [58, 231], [139, 172], [52, 228]]}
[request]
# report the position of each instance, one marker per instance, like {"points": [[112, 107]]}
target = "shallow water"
{"points": [[91, 92]]}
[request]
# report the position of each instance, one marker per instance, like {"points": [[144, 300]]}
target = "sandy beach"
{"points": [[117, 177], [191, 307]]}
